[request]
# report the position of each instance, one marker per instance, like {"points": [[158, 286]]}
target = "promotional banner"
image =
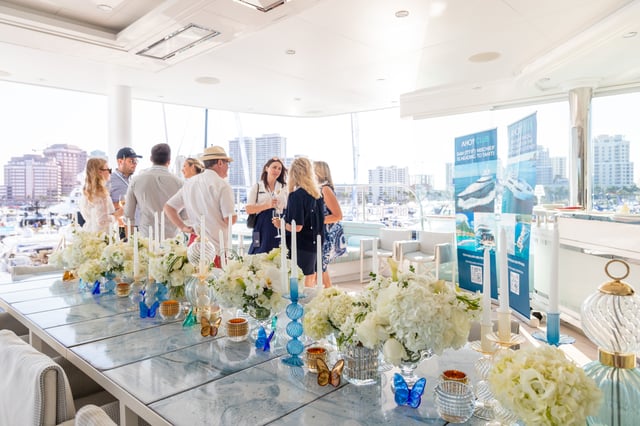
{"points": [[476, 161], [517, 207]]}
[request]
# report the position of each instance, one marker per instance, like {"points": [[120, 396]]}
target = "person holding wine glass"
{"points": [[269, 196]]}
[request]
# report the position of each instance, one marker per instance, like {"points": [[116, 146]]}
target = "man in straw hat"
{"points": [[207, 194]]}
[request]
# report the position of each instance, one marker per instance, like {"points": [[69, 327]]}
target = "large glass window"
{"points": [[615, 149]]}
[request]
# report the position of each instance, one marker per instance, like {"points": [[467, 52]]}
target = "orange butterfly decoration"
{"points": [[326, 376], [209, 329]]}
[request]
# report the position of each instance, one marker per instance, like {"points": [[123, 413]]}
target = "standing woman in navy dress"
{"points": [[306, 207], [268, 194]]}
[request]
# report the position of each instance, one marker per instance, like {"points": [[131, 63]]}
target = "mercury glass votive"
{"points": [[312, 355], [123, 289], [169, 309]]}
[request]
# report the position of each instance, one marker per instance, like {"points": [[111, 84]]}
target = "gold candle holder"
{"points": [[312, 355], [237, 329], [455, 376], [123, 289], [169, 309]]}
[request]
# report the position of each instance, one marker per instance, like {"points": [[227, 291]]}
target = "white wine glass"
{"points": [[276, 211]]}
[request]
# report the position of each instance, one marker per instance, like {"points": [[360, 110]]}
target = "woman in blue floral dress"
{"points": [[334, 244]]}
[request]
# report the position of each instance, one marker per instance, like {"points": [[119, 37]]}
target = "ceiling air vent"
{"points": [[262, 5], [179, 41]]}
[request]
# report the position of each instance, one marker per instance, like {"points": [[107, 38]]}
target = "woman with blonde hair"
{"points": [[334, 243], [305, 206], [96, 206], [192, 167]]}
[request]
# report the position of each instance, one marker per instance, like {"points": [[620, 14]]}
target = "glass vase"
{"points": [[409, 364], [360, 364]]}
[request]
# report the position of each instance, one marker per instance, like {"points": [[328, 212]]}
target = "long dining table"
{"points": [[168, 374]]}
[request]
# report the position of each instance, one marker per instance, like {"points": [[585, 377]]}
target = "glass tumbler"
{"points": [[455, 401]]}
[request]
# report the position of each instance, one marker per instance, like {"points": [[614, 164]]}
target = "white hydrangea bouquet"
{"points": [[330, 312], [542, 387], [82, 254], [413, 313], [251, 282], [170, 265]]}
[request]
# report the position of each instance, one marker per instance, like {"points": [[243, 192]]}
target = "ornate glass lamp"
{"points": [[611, 320]]}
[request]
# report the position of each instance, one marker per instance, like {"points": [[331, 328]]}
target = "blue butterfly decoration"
{"points": [[262, 341], [96, 287], [148, 311], [406, 396]]}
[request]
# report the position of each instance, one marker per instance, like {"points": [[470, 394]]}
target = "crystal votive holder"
{"points": [[312, 355], [237, 329], [123, 289], [455, 376], [455, 401], [169, 309]]}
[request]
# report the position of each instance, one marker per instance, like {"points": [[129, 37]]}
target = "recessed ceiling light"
{"points": [[630, 34], [484, 57], [207, 80], [402, 14], [297, 99], [290, 51], [381, 79], [476, 88], [4, 73], [104, 7]]}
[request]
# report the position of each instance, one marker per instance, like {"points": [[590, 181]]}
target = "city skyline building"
{"points": [[611, 165], [32, 178], [71, 160], [380, 180]]}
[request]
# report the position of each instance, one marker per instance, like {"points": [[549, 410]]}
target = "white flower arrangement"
{"points": [[328, 313], [542, 387], [420, 313], [252, 281], [408, 313], [81, 247], [171, 266], [114, 258]]}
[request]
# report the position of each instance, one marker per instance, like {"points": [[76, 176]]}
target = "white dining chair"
{"points": [[383, 247], [422, 250]]}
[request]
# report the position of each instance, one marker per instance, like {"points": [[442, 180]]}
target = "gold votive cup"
{"points": [[455, 376], [312, 354], [237, 329], [123, 289], [169, 309]]}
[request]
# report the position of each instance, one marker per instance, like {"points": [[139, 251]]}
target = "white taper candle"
{"points": [[319, 261], [486, 287], [553, 282]]}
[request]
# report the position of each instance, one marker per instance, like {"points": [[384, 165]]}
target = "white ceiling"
{"points": [[350, 55]]}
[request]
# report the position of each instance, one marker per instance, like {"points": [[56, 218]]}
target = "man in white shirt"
{"points": [[207, 194], [150, 190]]}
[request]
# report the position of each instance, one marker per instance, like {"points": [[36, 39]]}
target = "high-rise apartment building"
{"points": [[611, 165], [32, 178], [388, 184], [71, 161], [247, 166]]}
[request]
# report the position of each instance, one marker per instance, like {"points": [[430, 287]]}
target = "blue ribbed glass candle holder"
{"points": [[294, 329]]}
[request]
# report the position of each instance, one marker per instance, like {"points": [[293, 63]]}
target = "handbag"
{"points": [[253, 217]]}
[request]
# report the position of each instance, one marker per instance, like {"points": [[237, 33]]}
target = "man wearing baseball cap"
{"points": [[119, 183], [207, 194]]}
